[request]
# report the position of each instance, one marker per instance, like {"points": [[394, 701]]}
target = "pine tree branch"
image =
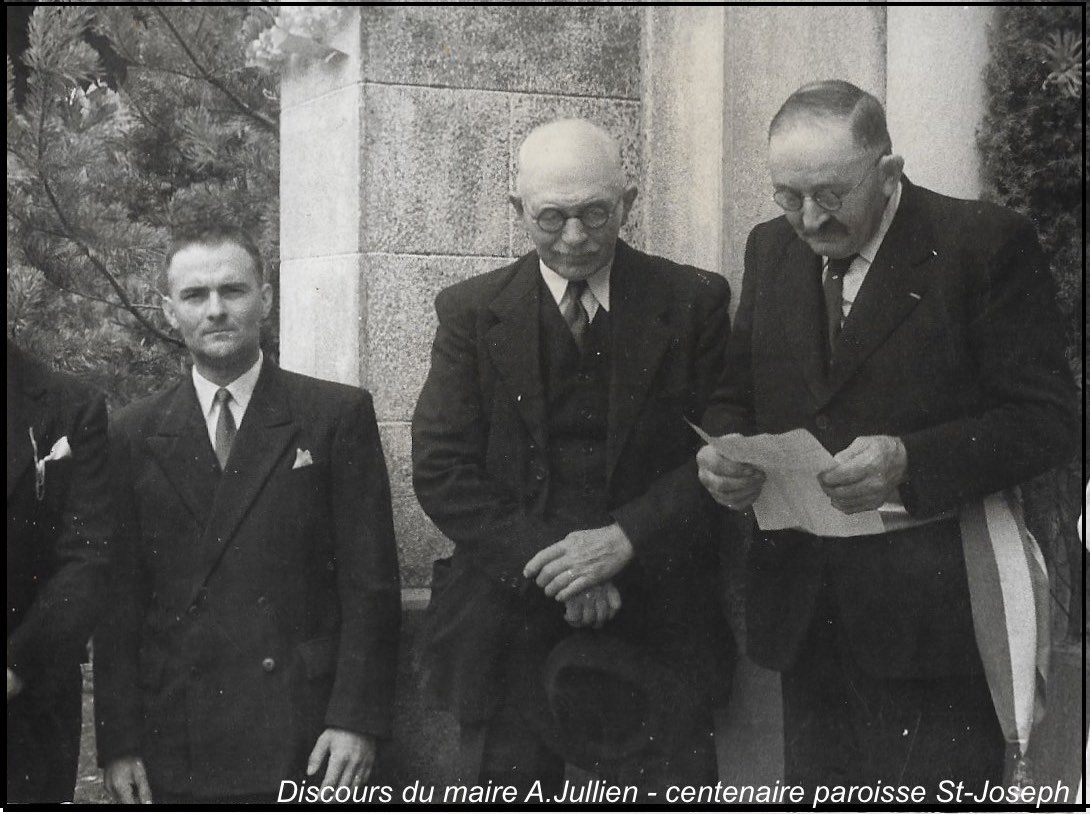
{"points": [[95, 298], [259, 117], [115, 284]]}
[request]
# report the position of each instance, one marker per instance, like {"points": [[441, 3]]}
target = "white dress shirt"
{"points": [[597, 292], [860, 265], [241, 390]]}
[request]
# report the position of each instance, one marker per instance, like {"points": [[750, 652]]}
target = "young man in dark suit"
{"points": [[59, 528], [254, 628], [548, 442], [916, 337]]}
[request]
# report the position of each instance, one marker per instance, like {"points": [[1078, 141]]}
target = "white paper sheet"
{"points": [[792, 497]]}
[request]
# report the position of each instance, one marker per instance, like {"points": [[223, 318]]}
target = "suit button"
{"points": [[268, 664], [262, 601], [822, 423], [193, 610], [539, 474]]}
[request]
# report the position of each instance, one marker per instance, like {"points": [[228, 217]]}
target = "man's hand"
{"points": [[731, 483], [580, 561], [865, 473], [15, 684], [351, 757], [127, 781], [594, 607]]}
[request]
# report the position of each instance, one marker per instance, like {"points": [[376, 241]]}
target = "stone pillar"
{"points": [[683, 133], [322, 289], [398, 160], [935, 93]]}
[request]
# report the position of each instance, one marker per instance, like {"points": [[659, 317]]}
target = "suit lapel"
{"points": [[895, 284], [801, 314], [639, 314], [181, 447], [514, 345], [26, 402], [266, 432]]}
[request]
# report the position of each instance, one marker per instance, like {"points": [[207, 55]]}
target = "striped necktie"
{"points": [[225, 427], [834, 297], [574, 312]]}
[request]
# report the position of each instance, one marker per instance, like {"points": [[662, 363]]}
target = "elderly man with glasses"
{"points": [[550, 446], [916, 337]]}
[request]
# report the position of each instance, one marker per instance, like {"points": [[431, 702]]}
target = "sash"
{"points": [[1009, 596]]}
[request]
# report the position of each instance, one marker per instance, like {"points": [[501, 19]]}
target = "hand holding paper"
{"points": [[792, 496], [730, 483], [866, 472]]}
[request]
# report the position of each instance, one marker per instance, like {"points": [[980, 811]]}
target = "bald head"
{"points": [[571, 196], [569, 150]]}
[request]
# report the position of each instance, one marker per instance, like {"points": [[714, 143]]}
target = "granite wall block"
{"points": [[435, 171], [401, 322], [573, 50]]}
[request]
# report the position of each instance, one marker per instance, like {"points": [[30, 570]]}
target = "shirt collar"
{"points": [[241, 389], [598, 283], [869, 250]]}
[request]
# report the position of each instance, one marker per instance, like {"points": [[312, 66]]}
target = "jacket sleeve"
{"points": [[483, 517], [656, 522], [1026, 418], [368, 585], [60, 620], [730, 408], [118, 712]]}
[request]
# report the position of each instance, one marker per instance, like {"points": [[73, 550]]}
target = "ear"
{"points": [[516, 203], [168, 312], [891, 167], [627, 199], [266, 300]]}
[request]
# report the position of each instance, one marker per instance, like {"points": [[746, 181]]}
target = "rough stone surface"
{"points": [[320, 176], [401, 322], [935, 96], [321, 313], [620, 118], [585, 51], [435, 171]]}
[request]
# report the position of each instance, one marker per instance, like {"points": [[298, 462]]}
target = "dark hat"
{"points": [[612, 701]]}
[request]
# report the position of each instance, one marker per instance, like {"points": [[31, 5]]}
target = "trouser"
{"points": [[43, 742], [516, 747], [846, 726]]}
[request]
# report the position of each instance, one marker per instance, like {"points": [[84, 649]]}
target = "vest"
{"points": [[577, 406]]}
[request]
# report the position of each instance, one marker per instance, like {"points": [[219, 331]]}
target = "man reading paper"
{"points": [[916, 336]]}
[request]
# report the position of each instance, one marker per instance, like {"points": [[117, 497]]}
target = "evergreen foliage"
{"points": [[1031, 142], [102, 165]]}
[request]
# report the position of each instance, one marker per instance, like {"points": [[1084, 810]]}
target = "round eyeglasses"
{"points": [[594, 216], [792, 201]]}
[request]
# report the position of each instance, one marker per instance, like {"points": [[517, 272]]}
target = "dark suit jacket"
{"points": [[954, 345], [252, 610], [57, 546], [481, 471]]}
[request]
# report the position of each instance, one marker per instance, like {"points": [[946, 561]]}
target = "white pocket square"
{"points": [[61, 450], [302, 458]]}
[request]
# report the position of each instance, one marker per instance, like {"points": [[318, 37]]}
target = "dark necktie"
{"points": [[834, 297], [573, 311], [225, 427]]}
